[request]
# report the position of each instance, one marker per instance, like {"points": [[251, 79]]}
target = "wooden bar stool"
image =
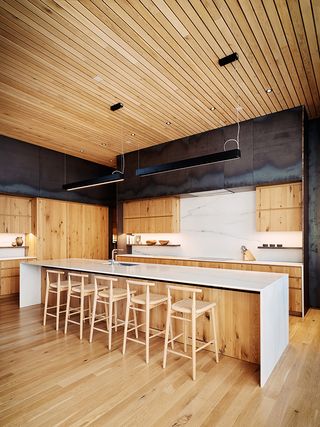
{"points": [[194, 309], [147, 300], [109, 296], [54, 285], [79, 290]]}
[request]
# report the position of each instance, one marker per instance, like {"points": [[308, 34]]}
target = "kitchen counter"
{"points": [[216, 259], [17, 258], [252, 307]]}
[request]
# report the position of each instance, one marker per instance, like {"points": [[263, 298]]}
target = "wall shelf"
{"points": [[152, 246], [279, 247], [13, 247]]}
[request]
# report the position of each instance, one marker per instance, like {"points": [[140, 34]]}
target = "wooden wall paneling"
{"points": [[15, 214], [76, 231]]}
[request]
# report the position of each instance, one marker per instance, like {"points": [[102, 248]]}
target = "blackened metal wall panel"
{"points": [[26, 169], [314, 211]]}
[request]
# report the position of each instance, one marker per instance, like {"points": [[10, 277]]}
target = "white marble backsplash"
{"points": [[217, 226]]}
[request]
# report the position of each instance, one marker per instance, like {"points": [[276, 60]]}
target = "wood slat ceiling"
{"points": [[64, 62]]}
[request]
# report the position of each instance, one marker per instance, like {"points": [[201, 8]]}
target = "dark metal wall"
{"points": [[314, 211], [271, 148], [29, 170]]}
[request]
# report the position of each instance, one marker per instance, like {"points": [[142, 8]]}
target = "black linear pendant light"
{"points": [[94, 182], [222, 156]]}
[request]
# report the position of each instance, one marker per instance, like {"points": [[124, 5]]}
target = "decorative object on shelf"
{"points": [[137, 239], [14, 244], [19, 241], [163, 242], [265, 245], [247, 255], [272, 245], [151, 242], [279, 247]]}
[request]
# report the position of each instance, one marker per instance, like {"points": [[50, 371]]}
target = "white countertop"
{"points": [[17, 257], [213, 259], [211, 277]]}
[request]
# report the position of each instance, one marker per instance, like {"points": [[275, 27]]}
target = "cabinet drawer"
{"points": [[9, 285], [10, 264], [295, 300], [295, 282], [9, 272]]}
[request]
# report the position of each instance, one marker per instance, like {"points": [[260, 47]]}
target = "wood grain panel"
{"points": [[63, 63]]}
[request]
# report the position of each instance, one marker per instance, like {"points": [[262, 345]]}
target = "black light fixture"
{"points": [[190, 163], [228, 59], [116, 107], [94, 182]]}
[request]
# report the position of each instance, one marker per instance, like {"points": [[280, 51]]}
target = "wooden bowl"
{"points": [[151, 242], [163, 242]]}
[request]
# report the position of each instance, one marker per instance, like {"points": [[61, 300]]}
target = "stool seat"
{"points": [[185, 306], [88, 289], [116, 293], [63, 285], [154, 299]]}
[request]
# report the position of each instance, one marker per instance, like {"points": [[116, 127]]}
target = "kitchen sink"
{"points": [[126, 264]]}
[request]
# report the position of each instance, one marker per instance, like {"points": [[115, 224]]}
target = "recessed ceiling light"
{"points": [[98, 79], [212, 108], [133, 134], [269, 90], [168, 123], [103, 144]]}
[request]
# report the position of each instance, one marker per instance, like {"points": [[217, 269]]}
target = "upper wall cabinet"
{"points": [[161, 215], [279, 207], [15, 214]]}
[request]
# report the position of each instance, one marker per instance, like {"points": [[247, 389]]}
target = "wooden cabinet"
{"points": [[295, 274], [15, 214], [9, 277], [71, 230], [161, 215], [279, 207]]}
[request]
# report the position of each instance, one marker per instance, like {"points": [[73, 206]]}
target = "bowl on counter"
{"points": [[151, 242], [164, 242]]}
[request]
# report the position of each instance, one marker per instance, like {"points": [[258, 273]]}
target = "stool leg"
{"points": [[185, 333], [90, 311], [166, 339], [67, 312], [171, 335], [57, 310], [126, 327], [106, 311], [93, 317], [147, 333], [215, 334], [110, 323], [115, 316], [46, 305], [135, 323], [194, 331], [81, 315]]}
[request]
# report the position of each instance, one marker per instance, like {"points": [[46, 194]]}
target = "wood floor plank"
{"points": [[51, 379]]}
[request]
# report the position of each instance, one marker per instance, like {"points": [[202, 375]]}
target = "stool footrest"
{"points": [[178, 353], [204, 345]]}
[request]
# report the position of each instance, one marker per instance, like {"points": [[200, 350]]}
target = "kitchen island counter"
{"points": [[252, 307]]}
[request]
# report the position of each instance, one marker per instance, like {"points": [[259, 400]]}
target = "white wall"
{"points": [[217, 226]]}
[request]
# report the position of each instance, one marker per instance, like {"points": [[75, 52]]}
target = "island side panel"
{"points": [[238, 319], [30, 285], [274, 320]]}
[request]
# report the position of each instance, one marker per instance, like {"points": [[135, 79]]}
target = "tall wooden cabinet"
{"points": [[160, 215], [70, 230], [279, 207]]}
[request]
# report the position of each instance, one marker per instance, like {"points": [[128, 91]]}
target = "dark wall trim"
{"points": [[29, 170], [271, 152]]}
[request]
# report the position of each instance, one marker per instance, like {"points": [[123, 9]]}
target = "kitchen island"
{"points": [[252, 307]]}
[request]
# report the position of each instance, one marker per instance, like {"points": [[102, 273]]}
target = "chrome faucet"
{"points": [[114, 252]]}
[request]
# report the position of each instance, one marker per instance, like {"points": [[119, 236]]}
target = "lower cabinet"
{"points": [[295, 274], [9, 277]]}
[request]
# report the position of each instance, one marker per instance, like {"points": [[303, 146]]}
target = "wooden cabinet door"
{"points": [[132, 209], [15, 214]]}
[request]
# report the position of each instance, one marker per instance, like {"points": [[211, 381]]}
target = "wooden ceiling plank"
{"points": [[310, 31], [316, 15], [218, 28], [297, 22], [213, 40], [303, 93], [270, 37], [287, 25], [131, 25], [191, 55]]}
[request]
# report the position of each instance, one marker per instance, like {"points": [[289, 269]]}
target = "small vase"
{"points": [[19, 241]]}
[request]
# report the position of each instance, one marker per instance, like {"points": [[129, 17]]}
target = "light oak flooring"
{"points": [[49, 379]]}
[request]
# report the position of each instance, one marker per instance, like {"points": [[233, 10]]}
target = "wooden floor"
{"points": [[49, 379]]}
